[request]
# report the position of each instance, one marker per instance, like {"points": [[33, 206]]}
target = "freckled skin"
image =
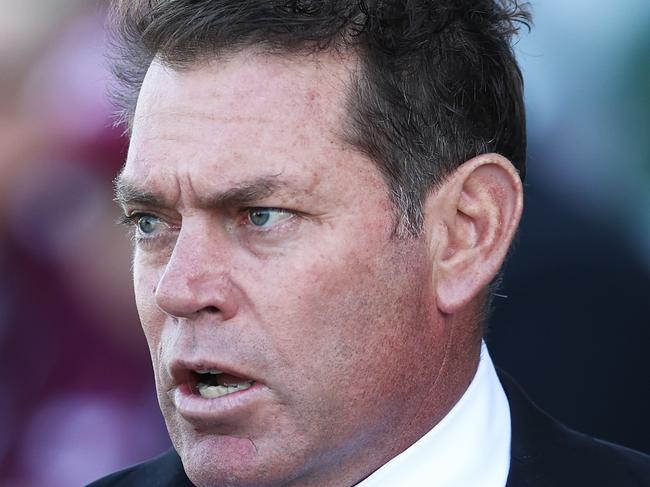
{"points": [[332, 313]]}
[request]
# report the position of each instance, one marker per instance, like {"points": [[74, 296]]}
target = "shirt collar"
{"points": [[469, 446]]}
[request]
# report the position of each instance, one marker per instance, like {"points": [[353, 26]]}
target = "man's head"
{"points": [[272, 144], [435, 82]]}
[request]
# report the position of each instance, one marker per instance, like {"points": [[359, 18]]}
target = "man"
{"points": [[322, 194]]}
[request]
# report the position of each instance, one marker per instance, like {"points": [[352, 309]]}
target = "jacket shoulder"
{"points": [[545, 452], [165, 470]]}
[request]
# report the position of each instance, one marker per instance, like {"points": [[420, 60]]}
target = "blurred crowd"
{"points": [[76, 390], [77, 398]]}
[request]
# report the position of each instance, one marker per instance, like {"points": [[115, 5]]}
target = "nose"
{"points": [[197, 277]]}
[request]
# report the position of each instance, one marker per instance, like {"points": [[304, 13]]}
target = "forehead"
{"points": [[261, 80], [241, 112]]}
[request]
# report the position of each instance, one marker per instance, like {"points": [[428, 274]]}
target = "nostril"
{"points": [[212, 309]]}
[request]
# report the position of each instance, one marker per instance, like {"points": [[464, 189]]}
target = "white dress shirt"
{"points": [[469, 447]]}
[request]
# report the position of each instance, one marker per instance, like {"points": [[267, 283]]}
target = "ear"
{"points": [[477, 211]]}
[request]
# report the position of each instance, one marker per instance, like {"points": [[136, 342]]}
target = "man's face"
{"points": [[265, 250]]}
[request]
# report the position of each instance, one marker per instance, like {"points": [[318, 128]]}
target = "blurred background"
{"points": [[77, 398]]}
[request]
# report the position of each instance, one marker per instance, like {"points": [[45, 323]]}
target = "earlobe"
{"points": [[481, 205]]}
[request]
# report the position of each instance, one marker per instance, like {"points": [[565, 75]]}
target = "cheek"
{"points": [[346, 350], [337, 310], [145, 279]]}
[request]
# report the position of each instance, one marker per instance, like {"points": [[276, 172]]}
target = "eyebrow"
{"points": [[245, 193]]}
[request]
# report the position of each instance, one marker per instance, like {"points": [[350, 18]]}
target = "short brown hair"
{"points": [[438, 84]]}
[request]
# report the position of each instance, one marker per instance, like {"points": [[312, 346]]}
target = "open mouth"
{"points": [[212, 383]]}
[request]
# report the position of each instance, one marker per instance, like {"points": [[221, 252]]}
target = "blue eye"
{"points": [[267, 217], [259, 217], [148, 224]]}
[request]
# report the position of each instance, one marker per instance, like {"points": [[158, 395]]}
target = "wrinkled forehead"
{"points": [[240, 114]]}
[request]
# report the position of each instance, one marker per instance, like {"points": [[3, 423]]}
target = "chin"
{"points": [[220, 460], [228, 461]]}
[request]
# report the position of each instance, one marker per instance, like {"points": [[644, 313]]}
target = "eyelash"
{"points": [[128, 220], [131, 220], [246, 213]]}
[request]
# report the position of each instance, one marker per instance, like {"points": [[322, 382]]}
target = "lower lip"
{"points": [[194, 407]]}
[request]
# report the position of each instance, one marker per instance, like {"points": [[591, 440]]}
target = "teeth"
{"points": [[209, 371], [211, 392]]}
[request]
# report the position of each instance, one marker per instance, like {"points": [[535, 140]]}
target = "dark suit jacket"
{"points": [[544, 454]]}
